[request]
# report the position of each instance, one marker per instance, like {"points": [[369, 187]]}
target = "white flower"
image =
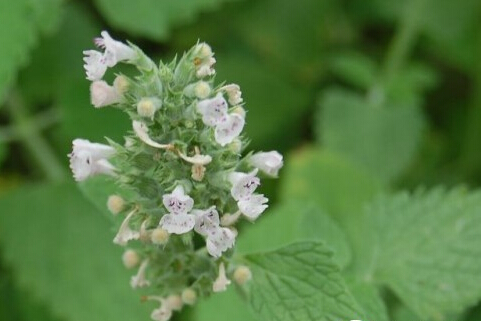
{"points": [[253, 205], [163, 313], [204, 60], [95, 66], [268, 162], [243, 185], [115, 51], [178, 221], [88, 159], [101, 94], [125, 233], [197, 159], [139, 280], [219, 239], [141, 130], [234, 93], [228, 130], [221, 283], [214, 110], [202, 90]]}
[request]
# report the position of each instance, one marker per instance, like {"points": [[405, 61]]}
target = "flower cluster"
{"points": [[182, 168]]}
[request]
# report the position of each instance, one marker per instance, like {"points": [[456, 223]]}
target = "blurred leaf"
{"points": [[299, 282], [474, 313], [338, 187], [294, 221], [335, 184], [369, 299], [294, 38], [24, 18], [62, 249], [354, 68], [441, 275], [3, 152], [153, 19], [274, 107], [19, 305], [383, 139], [223, 306]]}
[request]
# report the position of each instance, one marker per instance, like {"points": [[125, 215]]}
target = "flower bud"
{"points": [[147, 107], [101, 94], [202, 90], [159, 236], [242, 274], [235, 146], [221, 283], [121, 84], [268, 162], [239, 111], [174, 302], [198, 172], [189, 296], [115, 204], [130, 258]]}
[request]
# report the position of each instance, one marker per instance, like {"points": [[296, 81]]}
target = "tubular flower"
{"points": [[89, 159]]}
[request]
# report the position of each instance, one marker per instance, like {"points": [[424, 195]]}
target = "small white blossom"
{"points": [[139, 280], [95, 66], [102, 94], [189, 296], [159, 236], [130, 258], [233, 93], [243, 185], [115, 51], [214, 110], [197, 159], [218, 239], [204, 60], [268, 162], [125, 233], [141, 130], [202, 90], [88, 159], [227, 131], [178, 221], [253, 205], [163, 313], [174, 302], [221, 283], [115, 204]]}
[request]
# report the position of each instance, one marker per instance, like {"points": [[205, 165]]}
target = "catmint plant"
{"points": [[182, 164]]}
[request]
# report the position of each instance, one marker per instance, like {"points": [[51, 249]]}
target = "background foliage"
{"points": [[367, 99]]}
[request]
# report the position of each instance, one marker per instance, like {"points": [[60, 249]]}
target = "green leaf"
{"points": [[153, 19], [61, 248], [382, 138], [275, 108], [369, 299], [425, 247], [223, 306], [338, 186], [355, 68], [299, 282], [25, 19], [294, 221]]}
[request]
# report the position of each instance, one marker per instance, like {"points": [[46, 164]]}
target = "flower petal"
{"points": [[178, 202], [177, 223], [214, 110], [227, 131], [253, 206]]}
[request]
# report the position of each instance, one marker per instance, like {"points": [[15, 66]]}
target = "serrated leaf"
{"points": [[294, 221], [299, 282], [61, 249], [24, 18], [152, 19], [426, 249], [384, 139]]}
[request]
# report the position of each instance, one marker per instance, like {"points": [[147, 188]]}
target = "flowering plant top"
{"points": [[183, 166]]}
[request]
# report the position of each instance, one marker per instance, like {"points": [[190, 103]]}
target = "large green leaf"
{"points": [[382, 138], [22, 21], [223, 306], [426, 248], [368, 297], [299, 282], [61, 249], [150, 18], [294, 221]]}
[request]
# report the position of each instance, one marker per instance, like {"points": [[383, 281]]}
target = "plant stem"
{"points": [[31, 138]]}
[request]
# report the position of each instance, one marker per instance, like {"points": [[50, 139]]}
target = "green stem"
{"points": [[31, 138]]}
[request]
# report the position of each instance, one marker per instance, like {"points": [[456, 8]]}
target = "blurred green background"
{"points": [[359, 95]]}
